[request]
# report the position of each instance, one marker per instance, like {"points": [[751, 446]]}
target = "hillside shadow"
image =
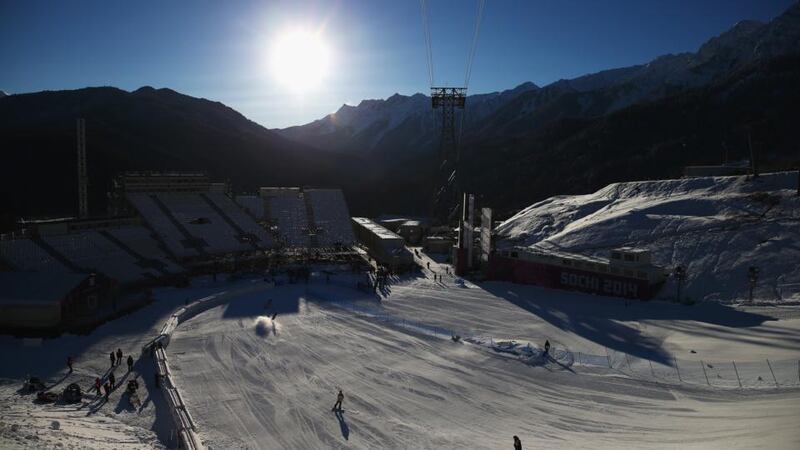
{"points": [[613, 322]]}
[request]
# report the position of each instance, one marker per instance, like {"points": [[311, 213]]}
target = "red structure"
{"points": [[627, 274]]}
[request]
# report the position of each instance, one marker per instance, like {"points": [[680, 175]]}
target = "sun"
{"points": [[299, 59]]}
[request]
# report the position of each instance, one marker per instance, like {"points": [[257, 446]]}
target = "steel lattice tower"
{"points": [[445, 199]]}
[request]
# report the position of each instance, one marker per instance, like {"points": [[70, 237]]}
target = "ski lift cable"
{"points": [[480, 7], [426, 31]]}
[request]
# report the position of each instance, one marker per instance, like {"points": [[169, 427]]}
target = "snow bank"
{"points": [[716, 227]]}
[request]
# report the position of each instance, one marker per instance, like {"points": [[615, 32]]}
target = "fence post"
{"points": [[653, 372], [773, 373], [737, 373], [608, 357], [703, 365], [677, 369]]}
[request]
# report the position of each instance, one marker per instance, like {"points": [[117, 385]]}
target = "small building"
{"points": [[439, 244], [386, 247], [49, 301], [411, 231]]}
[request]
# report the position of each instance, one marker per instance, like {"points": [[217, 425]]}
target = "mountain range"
{"points": [[518, 146], [404, 126]]}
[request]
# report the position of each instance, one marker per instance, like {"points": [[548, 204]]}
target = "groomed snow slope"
{"points": [[251, 382], [716, 227]]}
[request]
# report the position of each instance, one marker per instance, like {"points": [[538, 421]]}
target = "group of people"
{"points": [[116, 359], [107, 387]]}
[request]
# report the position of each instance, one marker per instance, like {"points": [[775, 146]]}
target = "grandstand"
{"points": [[117, 253], [26, 255], [199, 223], [285, 211], [252, 205], [331, 217]]}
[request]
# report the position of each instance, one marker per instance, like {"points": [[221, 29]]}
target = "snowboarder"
{"points": [[119, 356], [338, 404], [546, 347], [130, 363], [113, 359], [69, 363], [97, 385], [517, 443], [112, 379]]}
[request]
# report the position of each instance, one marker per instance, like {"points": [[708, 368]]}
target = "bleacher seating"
{"points": [[287, 213], [201, 221], [25, 254], [93, 252], [240, 219], [141, 241], [253, 205], [137, 258], [193, 223], [331, 217], [169, 234]]}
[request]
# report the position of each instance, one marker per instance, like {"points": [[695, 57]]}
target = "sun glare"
{"points": [[299, 59]]}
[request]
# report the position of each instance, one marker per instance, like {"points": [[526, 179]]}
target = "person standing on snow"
{"points": [[546, 347], [107, 388], [517, 443], [130, 363], [113, 359], [69, 363], [112, 379], [97, 385], [338, 404], [119, 356]]}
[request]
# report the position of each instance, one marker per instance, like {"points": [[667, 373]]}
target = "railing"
{"points": [[186, 428]]}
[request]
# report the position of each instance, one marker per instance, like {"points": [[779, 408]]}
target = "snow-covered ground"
{"points": [[715, 227], [253, 382], [93, 423]]}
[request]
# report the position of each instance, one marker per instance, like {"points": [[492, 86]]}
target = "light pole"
{"points": [[753, 275]]}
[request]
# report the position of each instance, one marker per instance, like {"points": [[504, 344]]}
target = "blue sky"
{"points": [[218, 49]]}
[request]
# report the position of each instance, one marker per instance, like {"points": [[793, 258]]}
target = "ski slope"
{"points": [[715, 227], [251, 382]]}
